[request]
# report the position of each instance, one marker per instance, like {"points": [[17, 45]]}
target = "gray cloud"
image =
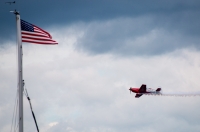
{"points": [[135, 36], [73, 91], [87, 91], [179, 14]]}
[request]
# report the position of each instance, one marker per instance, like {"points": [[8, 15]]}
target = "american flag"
{"points": [[34, 34]]}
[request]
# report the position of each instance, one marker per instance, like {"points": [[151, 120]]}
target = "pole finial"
{"points": [[15, 12]]}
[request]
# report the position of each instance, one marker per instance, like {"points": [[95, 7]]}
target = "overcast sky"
{"points": [[105, 47]]}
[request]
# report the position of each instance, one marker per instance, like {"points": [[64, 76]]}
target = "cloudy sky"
{"points": [[105, 47]]}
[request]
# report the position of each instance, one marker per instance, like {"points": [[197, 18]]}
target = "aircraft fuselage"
{"points": [[143, 90]]}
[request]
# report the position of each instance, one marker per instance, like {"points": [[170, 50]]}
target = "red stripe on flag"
{"points": [[38, 36], [46, 43]]}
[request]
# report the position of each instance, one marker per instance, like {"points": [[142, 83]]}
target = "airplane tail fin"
{"points": [[158, 89]]}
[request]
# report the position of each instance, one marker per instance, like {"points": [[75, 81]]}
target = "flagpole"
{"points": [[20, 72]]}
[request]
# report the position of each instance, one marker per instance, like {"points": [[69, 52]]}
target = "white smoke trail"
{"points": [[178, 94]]}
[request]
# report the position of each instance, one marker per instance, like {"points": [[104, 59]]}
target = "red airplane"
{"points": [[143, 90]]}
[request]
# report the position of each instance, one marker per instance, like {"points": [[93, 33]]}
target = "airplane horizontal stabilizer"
{"points": [[158, 89]]}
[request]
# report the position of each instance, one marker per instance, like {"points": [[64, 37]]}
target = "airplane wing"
{"points": [[142, 88], [138, 95]]}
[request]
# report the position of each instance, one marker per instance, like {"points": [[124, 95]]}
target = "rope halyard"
{"points": [[14, 125], [29, 100]]}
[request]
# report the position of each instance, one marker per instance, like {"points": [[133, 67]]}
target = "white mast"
{"points": [[20, 73]]}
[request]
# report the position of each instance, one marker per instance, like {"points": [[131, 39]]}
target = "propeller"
{"points": [[130, 90]]}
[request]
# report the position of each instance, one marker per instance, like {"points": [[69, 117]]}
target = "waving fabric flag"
{"points": [[34, 34]]}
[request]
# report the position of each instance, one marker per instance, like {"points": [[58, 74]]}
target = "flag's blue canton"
{"points": [[26, 26]]}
